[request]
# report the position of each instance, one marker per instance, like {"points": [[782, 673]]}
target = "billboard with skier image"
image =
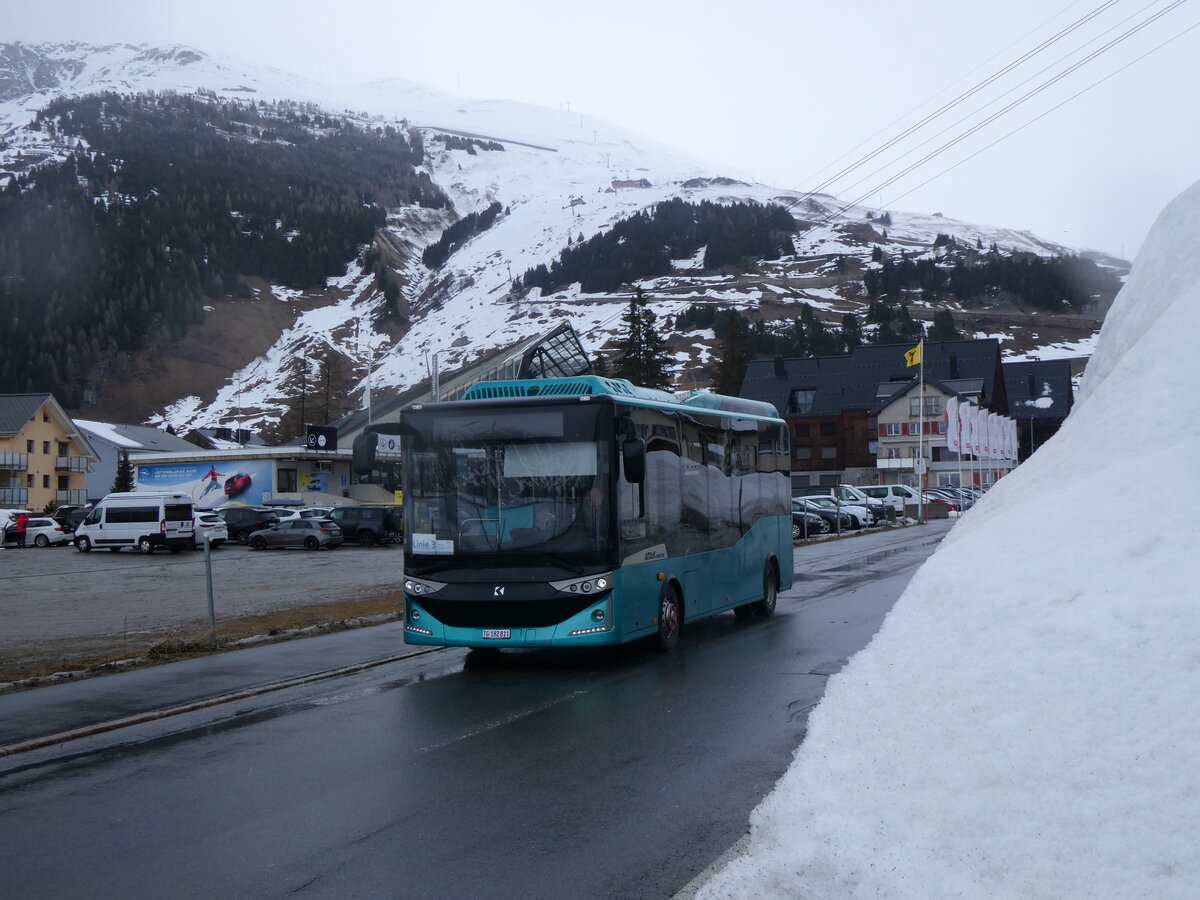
{"points": [[242, 482]]}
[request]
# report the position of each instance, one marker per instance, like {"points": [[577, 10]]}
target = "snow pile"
{"points": [[1025, 722]]}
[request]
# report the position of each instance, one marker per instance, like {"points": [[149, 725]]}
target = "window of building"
{"points": [[45, 481], [288, 483], [46, 447], [801, 401], [45, 416], [893, 452], [28, 481], [29, 446], [914, 406], [802, 430], [933, 406], [828, 429], [803, 452], [829, 451], [892, 429], [64, 449], [64, 482]]}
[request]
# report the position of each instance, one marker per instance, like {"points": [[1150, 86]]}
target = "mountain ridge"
{"points": [[559, 176]]}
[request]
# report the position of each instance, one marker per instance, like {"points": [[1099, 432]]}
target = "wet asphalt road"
{"points": [[618, 773]]}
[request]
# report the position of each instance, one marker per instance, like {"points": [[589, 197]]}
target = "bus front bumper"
{"points": [[593, 626]]}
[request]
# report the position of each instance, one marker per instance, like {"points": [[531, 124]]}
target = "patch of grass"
{"points": [[281, 625]]}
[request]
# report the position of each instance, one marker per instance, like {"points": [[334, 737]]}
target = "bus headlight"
{"points": [[590, 585], [419, 587]]}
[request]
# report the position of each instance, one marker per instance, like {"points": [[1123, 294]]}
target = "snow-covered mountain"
{"points": [[561, 175]]}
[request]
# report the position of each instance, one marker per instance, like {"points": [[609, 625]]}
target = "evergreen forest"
{"points": [[735, 235], [162, 203], [1057, 284]]}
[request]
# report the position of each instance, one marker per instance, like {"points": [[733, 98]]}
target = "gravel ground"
{"points": [[58, 603]]}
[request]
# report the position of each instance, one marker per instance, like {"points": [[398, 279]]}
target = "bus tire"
{"points": [[766, 606], [670, 618]]}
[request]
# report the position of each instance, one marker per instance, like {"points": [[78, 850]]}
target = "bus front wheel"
{"points": [[670, 618]]}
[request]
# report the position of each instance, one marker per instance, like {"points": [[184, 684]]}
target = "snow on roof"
{"points": [[107, 432], [1028, 730]]}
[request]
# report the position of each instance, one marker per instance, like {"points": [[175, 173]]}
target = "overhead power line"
{"points": [[997, 99], [1011, 106], [1042, 115], [965, 95]]}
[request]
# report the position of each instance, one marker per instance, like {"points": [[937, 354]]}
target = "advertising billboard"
{"points": [[240, 482]]}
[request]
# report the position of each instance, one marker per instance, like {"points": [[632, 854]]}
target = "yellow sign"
{"points": [[912, 357], [399, 496]]}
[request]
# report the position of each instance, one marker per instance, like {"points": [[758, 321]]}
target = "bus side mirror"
{"points": [[633, 453]]}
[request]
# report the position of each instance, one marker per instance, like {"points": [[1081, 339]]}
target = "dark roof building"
{"points": [[830, 401], [1040, 396]]}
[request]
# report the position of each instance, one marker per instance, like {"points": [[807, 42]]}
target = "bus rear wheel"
{"points": [[766, 606], [670, 618]]}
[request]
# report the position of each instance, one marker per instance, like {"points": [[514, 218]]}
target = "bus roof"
{"points": [[619, 389]]}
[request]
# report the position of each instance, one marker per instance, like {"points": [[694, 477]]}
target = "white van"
{"points": [[895, 495], [138, 519]]}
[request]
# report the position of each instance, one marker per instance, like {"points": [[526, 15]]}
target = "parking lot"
{"points": [[58, 604]]}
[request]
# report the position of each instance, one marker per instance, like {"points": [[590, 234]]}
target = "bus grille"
{"points": [[505, 613]]}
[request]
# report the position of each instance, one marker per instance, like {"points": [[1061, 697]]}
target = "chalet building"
{"points": [[906, 434], [832, 403], [44, 458], [1040, 395]]}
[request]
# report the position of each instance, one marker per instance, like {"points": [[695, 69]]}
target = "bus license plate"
{"points": [[497, 633]]}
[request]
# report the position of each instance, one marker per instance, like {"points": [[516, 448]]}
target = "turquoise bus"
{"points": [[581, 511]]}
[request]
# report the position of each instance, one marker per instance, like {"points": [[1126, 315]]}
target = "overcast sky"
{"points": [[786, 90]]}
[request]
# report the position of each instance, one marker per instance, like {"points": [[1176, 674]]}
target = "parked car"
{"points": [[243, 521], [285, 513], [212, 528], [894, 495], [828, 509], [315, 512], [40, 531], [370, 525], [951, 504], [805, 524], [311, 534], [848, 494]]}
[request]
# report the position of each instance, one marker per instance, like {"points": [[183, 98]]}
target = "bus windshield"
{"points": [[501, 488]]}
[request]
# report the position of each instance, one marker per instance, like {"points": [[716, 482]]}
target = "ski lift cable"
{"points": [[907, 153]]}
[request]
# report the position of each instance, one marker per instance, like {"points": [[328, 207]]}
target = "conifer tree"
{"points": [[734, 336], [642, 350], [124, 477], [943, 328]]}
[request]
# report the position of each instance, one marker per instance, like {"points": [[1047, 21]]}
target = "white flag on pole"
{"points": [[966, 418], [953, 431]]}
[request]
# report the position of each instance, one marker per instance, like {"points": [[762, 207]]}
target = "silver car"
{"points": [[311, 534]]}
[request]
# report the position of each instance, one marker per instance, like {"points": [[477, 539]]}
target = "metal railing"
{"points": [[71, 464], [74, 498], [14, 497], [18, 462]]}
